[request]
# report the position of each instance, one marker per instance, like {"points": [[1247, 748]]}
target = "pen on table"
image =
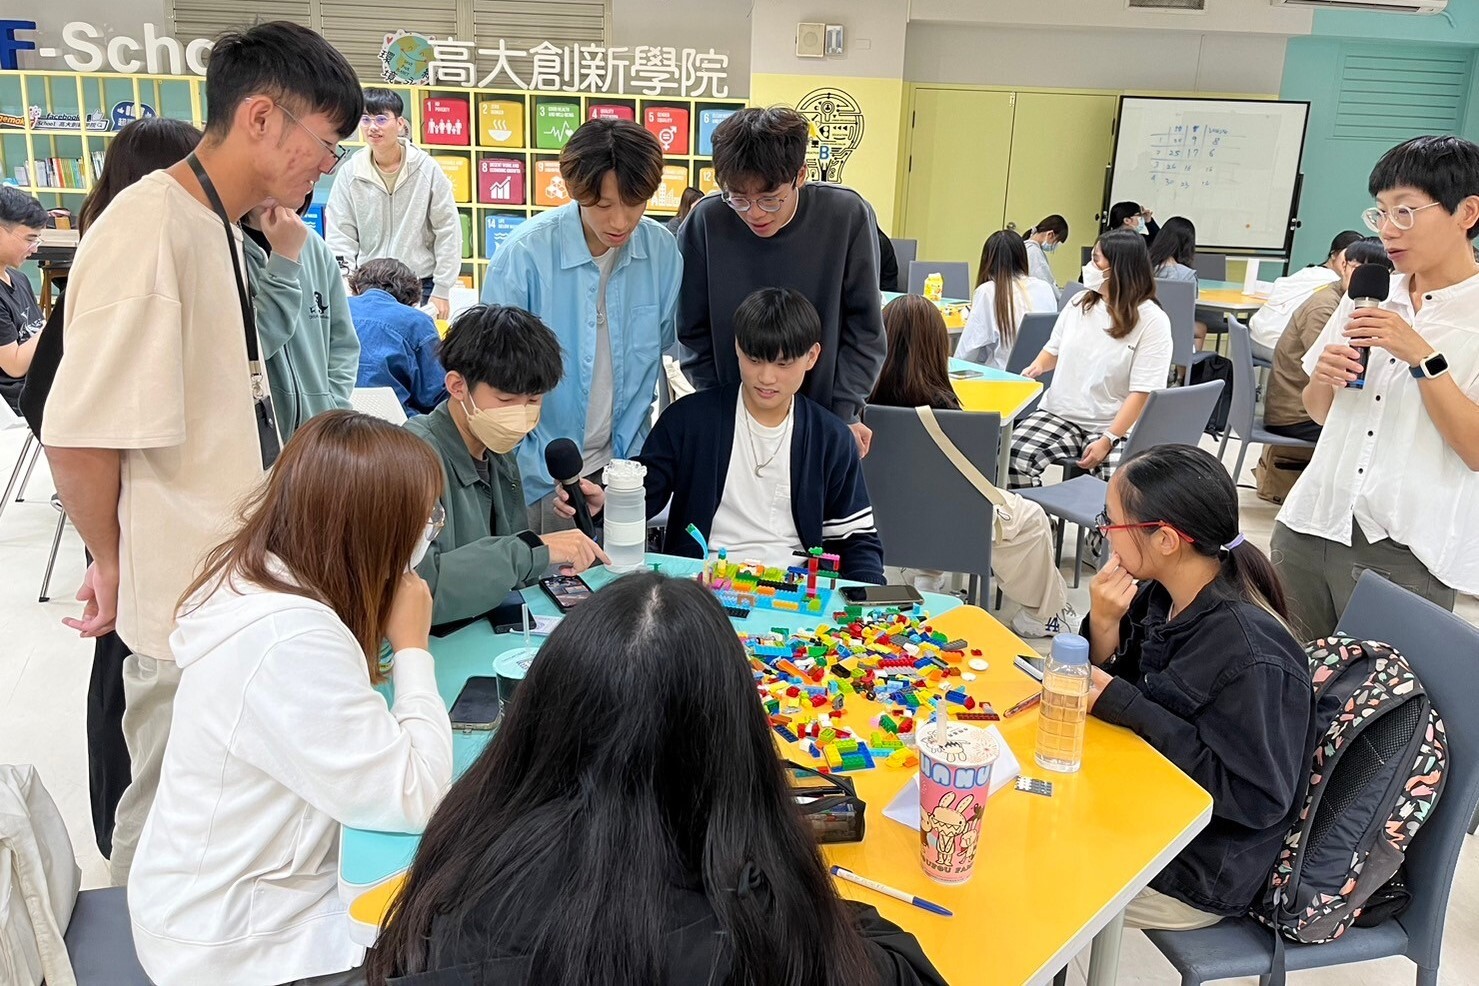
{"points": [[907, 898], [1023, 705]]}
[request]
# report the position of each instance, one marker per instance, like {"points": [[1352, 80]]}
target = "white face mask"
{"points": [[1140, 226], [1093, 277], [1049, 247], [422, 547]]}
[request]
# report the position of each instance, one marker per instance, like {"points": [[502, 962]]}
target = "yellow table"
{"points": [[993, 390], [1228, 296], [1053, 872]]}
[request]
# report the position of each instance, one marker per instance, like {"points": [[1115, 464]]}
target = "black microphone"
{"points": [[1369, 287], [564, 463]]}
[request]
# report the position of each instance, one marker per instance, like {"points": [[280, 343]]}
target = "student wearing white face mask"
{"points": [[500, 362], [1110, 348], [1133, 217], [1041, 240], [279, 737]]}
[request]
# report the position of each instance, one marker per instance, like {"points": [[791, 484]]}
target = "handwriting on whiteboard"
{"points": [[1194, 154]]}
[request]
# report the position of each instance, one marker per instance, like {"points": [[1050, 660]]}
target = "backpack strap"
{"points": [[964, 466]]}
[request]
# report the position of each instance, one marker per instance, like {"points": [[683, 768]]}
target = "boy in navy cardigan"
{"points": [[758, 468]]}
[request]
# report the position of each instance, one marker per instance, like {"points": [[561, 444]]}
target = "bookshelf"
{"points": [[500, 147]]}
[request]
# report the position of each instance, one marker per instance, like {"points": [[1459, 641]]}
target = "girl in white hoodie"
{"points": [[279, 735]]}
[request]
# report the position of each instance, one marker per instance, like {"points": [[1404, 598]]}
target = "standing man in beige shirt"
{"points": [[151, 426]]}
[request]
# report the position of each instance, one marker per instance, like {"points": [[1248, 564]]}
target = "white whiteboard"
{"points": [[1228, 165]]}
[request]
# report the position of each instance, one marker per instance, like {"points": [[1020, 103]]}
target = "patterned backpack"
{"points": [[1377, 772]]}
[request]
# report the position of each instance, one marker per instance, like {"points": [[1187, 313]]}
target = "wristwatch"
{"points": [[1115, 439], [1433, 365]]}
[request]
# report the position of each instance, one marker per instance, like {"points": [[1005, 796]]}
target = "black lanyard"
{"points": [[248, 319]]}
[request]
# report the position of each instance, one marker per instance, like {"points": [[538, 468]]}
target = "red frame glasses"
{"points": [[1103, 524]]}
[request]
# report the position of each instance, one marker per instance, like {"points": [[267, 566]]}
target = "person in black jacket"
{"points": [[1199, 661], [888, 263], [630, 824]]}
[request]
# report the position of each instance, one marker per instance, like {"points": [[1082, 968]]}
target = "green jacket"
{"points": [[486, 549], [307, 334]]}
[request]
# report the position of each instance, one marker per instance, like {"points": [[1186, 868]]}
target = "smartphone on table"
{"points": [[567, 591], [964, 374], [882, 595], [476, 708]]}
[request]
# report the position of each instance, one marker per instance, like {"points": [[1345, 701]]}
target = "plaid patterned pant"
{"points": [[1041, 439]]}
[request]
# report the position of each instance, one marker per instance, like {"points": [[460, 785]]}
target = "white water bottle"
{"points": [[626, 514]]}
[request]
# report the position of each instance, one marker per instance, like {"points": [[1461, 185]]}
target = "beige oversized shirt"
{"points": [[155, 366]]}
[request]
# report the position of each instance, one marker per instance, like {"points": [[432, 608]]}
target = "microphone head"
{"points": [[1370, 281], [564, 461]]}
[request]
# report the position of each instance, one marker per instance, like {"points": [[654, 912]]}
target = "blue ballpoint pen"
{"points": [[862, 881]]}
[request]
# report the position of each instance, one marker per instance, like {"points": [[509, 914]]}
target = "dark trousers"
{"points": [[1305, 431], [108, 768], [426, 286]]}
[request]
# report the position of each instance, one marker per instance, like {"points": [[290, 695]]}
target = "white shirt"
{"points": [[980, 341], [1381, 460], [1038, 266], [1284, 299], [1096, 373], [754, 520], [597, 449]]}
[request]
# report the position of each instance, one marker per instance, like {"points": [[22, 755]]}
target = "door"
{"points": [[1061, 148], [957, 177]]}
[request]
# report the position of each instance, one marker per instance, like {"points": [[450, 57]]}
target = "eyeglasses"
{"points": [[31, 236], [767, 203], [1103, 523], [437, 521], [1401, 216], [329, 148], [380, 120]]}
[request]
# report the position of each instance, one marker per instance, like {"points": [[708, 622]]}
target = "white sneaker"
{"points": [[1024, 624]]}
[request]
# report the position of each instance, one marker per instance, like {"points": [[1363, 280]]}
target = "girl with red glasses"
{"points": [[1189, 636]]}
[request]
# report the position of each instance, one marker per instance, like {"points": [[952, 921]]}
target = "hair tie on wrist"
{"points": [[1234, 542]]}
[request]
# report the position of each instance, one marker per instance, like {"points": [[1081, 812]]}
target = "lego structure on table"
{"points": [[805, 678], [745, 586]]}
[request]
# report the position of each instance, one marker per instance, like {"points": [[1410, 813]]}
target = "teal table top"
{"points": [[990, 373], [368, 857]]}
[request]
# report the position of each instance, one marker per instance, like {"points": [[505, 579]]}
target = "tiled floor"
{"points": [[43, 682]]}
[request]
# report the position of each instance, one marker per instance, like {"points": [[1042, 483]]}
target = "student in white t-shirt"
{"points": [[1289, 293], [1110, 349], [1004, 293]]}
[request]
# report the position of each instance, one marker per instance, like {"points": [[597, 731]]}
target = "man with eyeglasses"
{"points": [[155, 428], [770, 228], [22, 219], [392, 200], [1394, 481]]}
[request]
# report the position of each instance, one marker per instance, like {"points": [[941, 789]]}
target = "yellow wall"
{"points": [[872, 167]]}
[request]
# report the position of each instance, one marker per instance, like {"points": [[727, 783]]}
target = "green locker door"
{"points": [[1061, 146], [957, 180]]}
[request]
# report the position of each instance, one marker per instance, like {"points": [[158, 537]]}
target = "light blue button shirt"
{"points": [[546, 267]]}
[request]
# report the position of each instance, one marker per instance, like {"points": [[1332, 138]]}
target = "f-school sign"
{"points": [[85, 48]]}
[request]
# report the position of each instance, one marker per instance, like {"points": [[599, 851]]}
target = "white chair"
{"points": [[379, 402]]}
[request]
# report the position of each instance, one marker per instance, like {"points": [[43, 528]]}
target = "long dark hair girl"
{"points": [[1129, 283], [1176, 241], [141, 147], [1003, 261], [635, 756], [916, 369], [1188, 490]]}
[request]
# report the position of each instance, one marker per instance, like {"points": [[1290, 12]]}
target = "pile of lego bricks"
{"points": [[897, 660], [742, 587]]}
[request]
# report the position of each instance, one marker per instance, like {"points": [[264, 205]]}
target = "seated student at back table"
{"points": [[917, 373], [1130, 216], [1291, 291], [1394, 481], [773, 228], [21, 221], [500, 363], [398, 341], [1199, 661], [1284, 411], [658, 843], [758, 468], [302, 314], [1005, 294], [1110, 348], [1172, 254]]}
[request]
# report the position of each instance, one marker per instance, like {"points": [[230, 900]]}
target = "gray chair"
{"points": [[957, 275], [1032, 335], [1179, 300], [950, 529], [1171, 417], [1442, 650], [1070, 291], [1085, 255], [1210, 266], [905, 251], [100, 940], [1243, 419]]}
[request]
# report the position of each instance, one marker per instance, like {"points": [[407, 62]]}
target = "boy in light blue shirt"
{"points": [[605, 279]]}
